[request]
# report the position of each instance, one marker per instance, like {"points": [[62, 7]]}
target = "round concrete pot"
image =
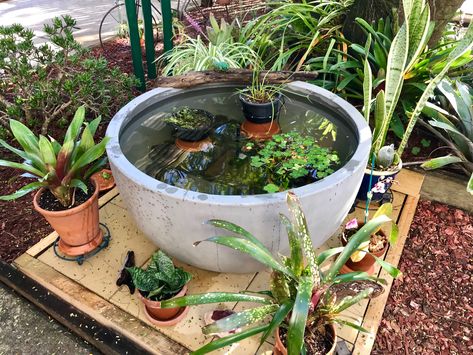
{"points": [[164, 316], [78, 227], [173, 218], [280, 349]]}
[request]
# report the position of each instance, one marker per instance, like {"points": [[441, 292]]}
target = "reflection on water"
{"points": [[222, 168]]}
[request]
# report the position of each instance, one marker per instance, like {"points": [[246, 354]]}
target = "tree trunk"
{"points": [[441, 11]]}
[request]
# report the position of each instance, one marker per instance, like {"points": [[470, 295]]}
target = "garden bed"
{"points": [[91, 287]]}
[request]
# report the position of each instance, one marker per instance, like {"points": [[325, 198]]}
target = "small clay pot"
{"points": [[280, 349], [103, 183], [367, 263], [261, 112], [164, 316], [78, 227]]}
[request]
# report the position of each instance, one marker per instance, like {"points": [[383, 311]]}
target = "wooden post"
{"points": [[167, 24], [149, 38], [132, 17]]}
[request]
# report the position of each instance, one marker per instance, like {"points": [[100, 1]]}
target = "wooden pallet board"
{"points": [[91, 287]]}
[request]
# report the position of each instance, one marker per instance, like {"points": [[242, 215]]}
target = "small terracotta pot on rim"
{"points": [[367, 263], [164, 316], [103, 183], [78, 227], [280, 349]]}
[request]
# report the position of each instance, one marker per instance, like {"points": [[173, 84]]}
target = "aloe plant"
{"points": [[59, 168], [300, 292], [404, 53]]}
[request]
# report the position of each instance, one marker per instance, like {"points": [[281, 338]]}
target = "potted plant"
{"points": [[302, 298], [160, 281], [292, 160], [385, 161], [365, 257], [261, 104], [67, 198], [191, 124]]}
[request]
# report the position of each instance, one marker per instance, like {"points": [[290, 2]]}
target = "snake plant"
{"points": [[59, 168], [300, 292]]}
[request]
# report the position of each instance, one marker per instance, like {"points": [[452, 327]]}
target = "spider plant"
{"points": [[300, 294], [454, 129]]}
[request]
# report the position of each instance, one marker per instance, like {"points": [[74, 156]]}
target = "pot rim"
{"points": [[157, 304], [385, 172], [277, 98], [69, 211], [332, 349]]}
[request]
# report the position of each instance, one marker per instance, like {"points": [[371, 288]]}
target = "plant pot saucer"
{"points": [[260, 131], [77, 250], [170, 322], [193, 146]]}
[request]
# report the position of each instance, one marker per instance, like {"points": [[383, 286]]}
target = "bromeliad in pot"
{"points": [[161, 281], [67, 198], [303, 302], [404, 53]]}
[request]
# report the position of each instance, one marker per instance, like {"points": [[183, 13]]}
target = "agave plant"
{"points": [[456, 129], [300, 294], [59, 168], [404, 53]]}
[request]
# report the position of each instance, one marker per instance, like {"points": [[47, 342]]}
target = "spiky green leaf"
{"points": [[214, 297], [23, 191], [439, 162], [300, 311]]}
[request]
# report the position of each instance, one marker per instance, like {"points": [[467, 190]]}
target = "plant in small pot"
{"points": [[261, 105], [104, 179], [365, 257], [406, 48], [303, 302], [160, 281], [67, 198], [291, 160], [192, 126]]}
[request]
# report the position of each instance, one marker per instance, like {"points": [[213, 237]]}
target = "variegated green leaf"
{"points": [[379, 118], [349, 301], [73, 130], [300, 311], [279, 287], [89, 156], [214, 297], [240, 319], [390, 269], [296, 259], [236, 229], [327, 254], [367, 89], [278, 318], [47, 151], [351, 324], [439, 162]]}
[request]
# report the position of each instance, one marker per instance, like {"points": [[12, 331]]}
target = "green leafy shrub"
{"points": [[59, 168], [290, 160], [161, 280], [45, 84]]}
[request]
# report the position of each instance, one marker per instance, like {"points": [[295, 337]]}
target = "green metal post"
{"points": [[167, 24], [149, 38], [132, 17]]}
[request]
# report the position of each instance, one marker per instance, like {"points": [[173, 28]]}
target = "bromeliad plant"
{"points": [[404, 53], [161, 280], [291, 160], [59, 168], [301, 294]]}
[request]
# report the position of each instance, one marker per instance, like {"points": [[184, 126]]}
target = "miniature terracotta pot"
{"points": [[260, 131], [167, 315], [367, 263], [78, 227], [280, 349], [103, 183]]}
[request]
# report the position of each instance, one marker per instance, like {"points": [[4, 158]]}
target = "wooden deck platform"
{"points": [[91, 287]]}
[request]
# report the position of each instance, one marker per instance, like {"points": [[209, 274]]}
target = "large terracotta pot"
{"points": [[280, 349], [164, 316], [78, 227]]}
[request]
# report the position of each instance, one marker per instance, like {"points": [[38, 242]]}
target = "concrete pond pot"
{"points": [[78, 227], [165, 317], [280, 349], [174, 218]]}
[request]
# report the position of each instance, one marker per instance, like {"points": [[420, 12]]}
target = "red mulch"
{"points": [[430, 310]]}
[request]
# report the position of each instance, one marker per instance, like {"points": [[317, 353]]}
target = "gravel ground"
{"points": [[27, 330]]}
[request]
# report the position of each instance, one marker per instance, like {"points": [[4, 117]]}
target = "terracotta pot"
{"points": [[280, 349], [260, 131], [78, 227], [367, 263], [193, 146], [103, 183], [164, 316]]}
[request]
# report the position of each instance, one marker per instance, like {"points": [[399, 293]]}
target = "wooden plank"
{"points": [[104, 339], [47, 241], [105, 313], [408, 182], [374, 313]]}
